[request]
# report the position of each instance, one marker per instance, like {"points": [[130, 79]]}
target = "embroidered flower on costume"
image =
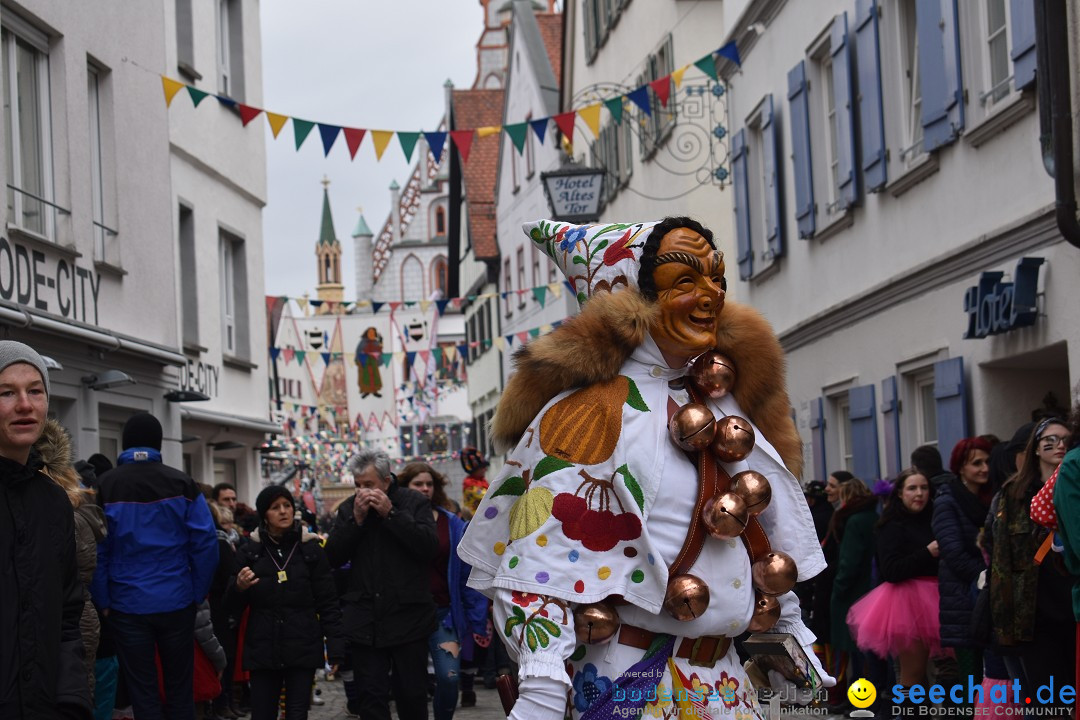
{"points": [[569, 238], [619, 250], [728, 689], [523, 599], [658, 708], [700, 689], [588, 687]]}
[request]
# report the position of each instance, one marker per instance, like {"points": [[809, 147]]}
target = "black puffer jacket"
{"points": [[957, 517], [901, 547], [388, 601], [289, 619], [42, 674]]}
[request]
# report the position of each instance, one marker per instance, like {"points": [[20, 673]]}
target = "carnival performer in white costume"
{"points": [[649, 510]]}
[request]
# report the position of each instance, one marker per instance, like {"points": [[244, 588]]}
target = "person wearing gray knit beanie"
{"points": [[13, 351]]}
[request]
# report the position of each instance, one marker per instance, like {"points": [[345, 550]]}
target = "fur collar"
{"points": [[592, 346]]}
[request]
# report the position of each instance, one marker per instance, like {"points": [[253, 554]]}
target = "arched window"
{"points": [[439, 271], [440, 220], [326, 269], [412, 279]]}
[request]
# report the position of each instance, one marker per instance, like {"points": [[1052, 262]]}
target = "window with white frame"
{"points": [[234, 292], [909, 81], [27, 127], [224, 54], [185, 40], [230, 49], [102, 179], [825, 131], [521, 275], [657, 127], [844, 437], [530, 162], [996, 43], [925, 410], [535, 264], [189, 275], [512, 151], [508, 282]]}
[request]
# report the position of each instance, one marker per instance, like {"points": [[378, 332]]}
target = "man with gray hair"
{"points": [[41, 597], [389, 535]]}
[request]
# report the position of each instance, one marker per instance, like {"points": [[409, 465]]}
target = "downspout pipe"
{"points": [[1052, 40]]}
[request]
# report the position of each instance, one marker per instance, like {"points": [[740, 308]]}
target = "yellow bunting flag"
{"points": [[303, 303], [171, 87], [677, 75], [555, 289], [483, 132], [382, 139], [591, 116], [276, 122], [500, 343], [424, 305]]}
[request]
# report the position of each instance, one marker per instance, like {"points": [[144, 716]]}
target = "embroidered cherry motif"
{"points": [[587, 516]]}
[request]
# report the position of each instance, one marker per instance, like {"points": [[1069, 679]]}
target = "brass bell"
{"points": [[754, 488], [775, 573], [766, 613], [725, 516], [734, 439], [687, 597], [692, 427], [713, 374], [595, 623]]}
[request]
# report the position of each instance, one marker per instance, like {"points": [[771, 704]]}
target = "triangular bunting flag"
{"points": [[247, 113], [555, 289], [301, 129], [540, 293], [376, 306], [435, 141], [276, 122], [300, 355], [316, 303], [197, 95], [325, 358], [640, 97], [488, 131], [274, 352], [707, 65], [539, 127], [517, 132], [676, 77], [565, 123], [463, 350], [394, 305], [500, 342], [731, 52], [410, 357], [381, 139], [615, 106], [387, 358], [408, 143], [510, 341], [591, 116], [424, 305], [440, 305], [437, 353], [462, 140], [289, 353], [329, 134], [662, 88], [302, 302], [425, 355], [171, 87], [535, 332], [226, 101], [353, 138], [523, 336]]}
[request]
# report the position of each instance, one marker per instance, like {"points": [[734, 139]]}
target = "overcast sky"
{"points": [[356, 63]]}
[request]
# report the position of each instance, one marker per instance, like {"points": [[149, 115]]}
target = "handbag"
{"points": [[982, 630]]}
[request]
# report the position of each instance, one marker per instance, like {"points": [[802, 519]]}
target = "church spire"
{"points": [[328, 254], [327, 236]]}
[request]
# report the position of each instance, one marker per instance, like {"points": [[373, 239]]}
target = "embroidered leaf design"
{"points": [[511, 486], [599, 246], [542, 637], [634, 399], [578, 260], [549, 465], [632, 485], [549, 625], [581, 298], [530, 637], [578, 653], [516, 618]]}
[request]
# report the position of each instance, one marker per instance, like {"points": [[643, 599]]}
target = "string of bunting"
{"points": [[462, 139]]}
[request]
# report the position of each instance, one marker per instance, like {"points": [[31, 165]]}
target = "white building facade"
{"points": [[896, 224]]}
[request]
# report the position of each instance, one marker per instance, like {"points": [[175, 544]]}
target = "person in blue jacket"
{"points": [[461, 611], [154, 566]]}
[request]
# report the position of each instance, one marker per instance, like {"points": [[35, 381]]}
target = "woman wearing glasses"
{"points": [[1030, 602]]}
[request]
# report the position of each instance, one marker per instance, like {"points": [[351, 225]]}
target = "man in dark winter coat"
{"points": [[388, 534], [41, 652], [155, 566]]}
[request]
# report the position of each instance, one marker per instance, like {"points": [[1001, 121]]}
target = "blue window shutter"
{"points": [[1022, 27], [817, 432], [770, 152], [890, 412], [871, 112], [739, 171], [950, 397], [800, 149], [864, 440], [940, 76], [845, 125]]}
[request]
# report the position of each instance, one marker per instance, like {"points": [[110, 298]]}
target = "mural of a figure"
{"points": [[368, 356]]}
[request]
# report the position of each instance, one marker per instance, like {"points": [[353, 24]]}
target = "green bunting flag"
{"points": [[707, 65], [615, 107], [517, 132], [301, 129], [197, 96], [408, 143]]}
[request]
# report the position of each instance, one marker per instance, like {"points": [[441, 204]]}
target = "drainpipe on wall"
{"points": [[1052, 45]]}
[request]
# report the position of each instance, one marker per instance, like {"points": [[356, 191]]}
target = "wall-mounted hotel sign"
{"points": [[995, 307]]}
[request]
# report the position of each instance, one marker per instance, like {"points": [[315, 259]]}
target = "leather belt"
{"points": [[703, 651]]}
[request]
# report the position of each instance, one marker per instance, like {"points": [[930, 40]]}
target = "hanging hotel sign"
{"points": [[995, 307], [574, 193]]}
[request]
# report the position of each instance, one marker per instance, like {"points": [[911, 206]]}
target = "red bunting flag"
{"points": [[565, 123], [247, 113], [662, 88], [353, 138], [463, 140]]}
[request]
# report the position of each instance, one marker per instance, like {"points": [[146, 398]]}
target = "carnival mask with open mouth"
{"points": [[689, 279]]}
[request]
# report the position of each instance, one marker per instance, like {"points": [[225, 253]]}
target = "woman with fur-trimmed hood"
{"points": [[596, 506]]}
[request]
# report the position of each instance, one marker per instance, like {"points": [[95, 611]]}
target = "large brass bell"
{"points": [[687, 597], [774, 574], [734, 439], [754, 488], [692, 427], [766, 613], [725, 515], [595, 623], [714, 374]]}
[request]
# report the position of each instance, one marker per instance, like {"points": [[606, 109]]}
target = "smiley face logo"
{"points": [[862, 693]]}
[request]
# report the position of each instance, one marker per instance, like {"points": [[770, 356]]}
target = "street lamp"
{"points": [[575, 193]]}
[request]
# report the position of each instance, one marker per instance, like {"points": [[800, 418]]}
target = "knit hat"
{"points": [[142, 430], [101, 464], [472, 460], [268, 497], [12, 351]]}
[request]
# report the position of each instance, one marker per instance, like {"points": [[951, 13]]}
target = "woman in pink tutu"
{"points": [[899, 618]]}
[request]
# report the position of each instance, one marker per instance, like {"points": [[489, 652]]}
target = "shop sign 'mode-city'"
{"points": [[995, 307], [55, 285]]}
